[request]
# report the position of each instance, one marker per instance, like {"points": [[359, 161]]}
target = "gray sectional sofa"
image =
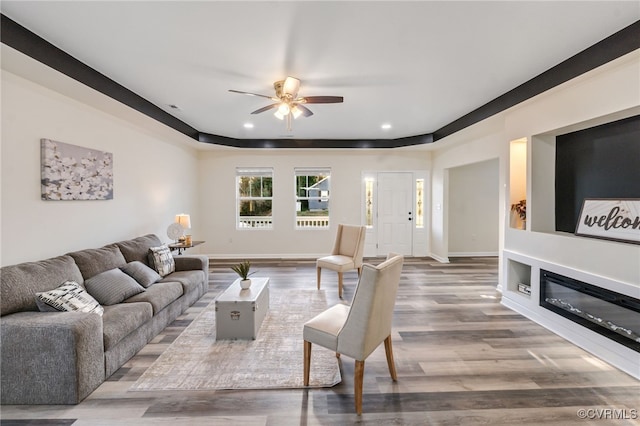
{"points": [[61, 357]]}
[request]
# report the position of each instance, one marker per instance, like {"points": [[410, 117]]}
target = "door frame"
{"points": [[369, 214]]}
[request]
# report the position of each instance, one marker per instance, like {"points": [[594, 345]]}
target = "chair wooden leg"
{"points": [[359, 271], [357, 385], [319, 272], [340, 285], [390, 362], [307, 361]]}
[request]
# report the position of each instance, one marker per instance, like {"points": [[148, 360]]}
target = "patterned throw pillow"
{"points": [[69, 297], [141, 273], [162, 260]]}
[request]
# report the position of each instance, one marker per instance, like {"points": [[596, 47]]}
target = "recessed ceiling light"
{"points": [[386, 126], [248, 125]]}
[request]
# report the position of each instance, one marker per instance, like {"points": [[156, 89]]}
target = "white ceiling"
{"points": [[417, 65]]}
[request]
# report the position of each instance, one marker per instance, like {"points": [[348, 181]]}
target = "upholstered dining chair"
{"points": [[346, 254], [357, 330]]}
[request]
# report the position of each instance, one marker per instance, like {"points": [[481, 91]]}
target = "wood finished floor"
{"points": [[462, 359]]}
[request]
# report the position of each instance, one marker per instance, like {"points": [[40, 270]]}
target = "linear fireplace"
{"points": [[614, 315]]}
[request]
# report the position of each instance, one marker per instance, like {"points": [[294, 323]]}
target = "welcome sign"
{"points": [[610, 219]]}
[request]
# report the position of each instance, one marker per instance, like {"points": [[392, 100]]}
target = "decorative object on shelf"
{"points": [[185, 222], [175, 231], [519, 212], [524, 289], [610, 219], [71, 172], [242, 269], [187, 240]]}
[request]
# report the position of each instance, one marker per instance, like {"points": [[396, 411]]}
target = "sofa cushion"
{"points": [[190, 280], [112, 286], [69, 297], [159, 295], [120, 320], [20, 283], [140, 272], [93, 261], [161, 260], [138, 248]]}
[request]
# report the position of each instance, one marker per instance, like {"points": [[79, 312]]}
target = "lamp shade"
{"points": [[184, 220]]}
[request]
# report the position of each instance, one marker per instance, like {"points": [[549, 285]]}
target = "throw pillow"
{"points": [[69, 297], [162, 260], [112, 287], [141, 273]]}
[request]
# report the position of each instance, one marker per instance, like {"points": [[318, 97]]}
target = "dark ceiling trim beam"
{"points": [[624, 41], [16, 36], [315, 143], [619, 44]]}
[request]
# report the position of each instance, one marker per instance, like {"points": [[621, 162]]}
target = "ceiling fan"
{"points": [[287, 103]]}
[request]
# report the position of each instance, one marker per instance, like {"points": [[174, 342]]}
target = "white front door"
{"points": [[395, 213]]}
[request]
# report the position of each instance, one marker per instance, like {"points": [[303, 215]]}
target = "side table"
{"points": [[183, 246]]}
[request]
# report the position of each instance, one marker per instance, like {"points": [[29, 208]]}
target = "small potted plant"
{"points": [[242, 269]]}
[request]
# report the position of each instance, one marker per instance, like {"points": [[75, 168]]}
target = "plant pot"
{"points": [[245, 284]]}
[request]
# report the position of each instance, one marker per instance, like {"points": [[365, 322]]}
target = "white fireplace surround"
{"points": [[519, 268]]}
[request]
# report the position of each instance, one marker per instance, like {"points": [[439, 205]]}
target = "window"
{"points": [[312, 198], [254, 198], [368, 202]]}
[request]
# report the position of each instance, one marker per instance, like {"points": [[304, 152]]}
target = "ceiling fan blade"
{"points": [[322, 99], [251, 94], [291, 86], [305, 111], [267, 108]]}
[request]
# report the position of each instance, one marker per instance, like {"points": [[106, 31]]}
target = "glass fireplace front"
{"points": [[614, 315]]}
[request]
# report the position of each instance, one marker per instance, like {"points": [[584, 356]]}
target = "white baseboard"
{"points": [[439, 258], [474, 254]]}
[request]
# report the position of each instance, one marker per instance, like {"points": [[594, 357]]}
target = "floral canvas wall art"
{"points": [[71, 172]]}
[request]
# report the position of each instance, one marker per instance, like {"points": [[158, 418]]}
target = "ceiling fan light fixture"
{"points": [[279, 115], [291, 86], [296, 112], [284, 108]]}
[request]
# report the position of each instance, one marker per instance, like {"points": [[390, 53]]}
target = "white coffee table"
{"points": [[239, 313]]}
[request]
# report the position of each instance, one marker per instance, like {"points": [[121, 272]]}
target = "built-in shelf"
{"points": [[518, 184], [518, 277], [522, 270]]}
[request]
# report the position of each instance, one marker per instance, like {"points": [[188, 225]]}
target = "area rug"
{"points": [[196, 361]]}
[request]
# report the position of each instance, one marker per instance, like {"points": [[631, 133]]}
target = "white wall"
{"points": [[481, 142], [474, 209], [217, 197], [601, 95], [606, 94], [153, 179]]}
